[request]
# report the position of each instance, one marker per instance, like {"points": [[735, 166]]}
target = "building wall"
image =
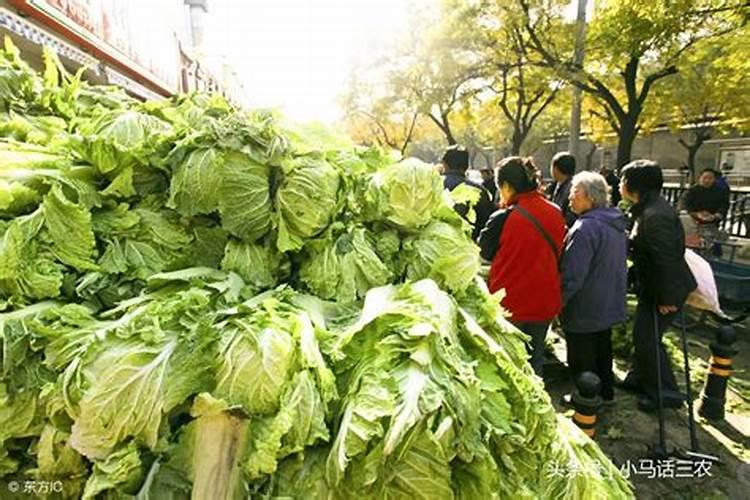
{"points": [[660, 145]]}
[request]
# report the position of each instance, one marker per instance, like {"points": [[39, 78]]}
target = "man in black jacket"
{"points": [[664, 281], [563, 168], [455, 164]]}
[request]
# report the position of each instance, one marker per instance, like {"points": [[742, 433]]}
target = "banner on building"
{"points": [[139, 36]]}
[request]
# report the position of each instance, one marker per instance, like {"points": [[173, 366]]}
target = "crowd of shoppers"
{"points": [[562, 253]]}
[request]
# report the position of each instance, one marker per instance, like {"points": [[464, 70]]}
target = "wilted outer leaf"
{"points": [[299, 423], [69, 226], [443, 253], [25, 269], [259, 265], [421, 471], [122, 138], [122, 469], [343, 268], [150, 379], [56, 459], [134, 377], [15, 196]]}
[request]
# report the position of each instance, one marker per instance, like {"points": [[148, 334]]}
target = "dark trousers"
{"points": [[537, 332], [592, 352], [644, 360]]}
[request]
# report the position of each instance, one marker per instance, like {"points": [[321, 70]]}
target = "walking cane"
{"points": [[688, 388], [693, 455], [661, 449]]}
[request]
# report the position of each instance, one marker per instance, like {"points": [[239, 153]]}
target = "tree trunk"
{"points": [[517, 141], [699, 138], [449, 137], [487, 158], [625, 138], [692, 153], [590, 156], [409, 134], [445, 127]]}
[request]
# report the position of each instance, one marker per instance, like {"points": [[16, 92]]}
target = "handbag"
{"points": [[706, 295]]}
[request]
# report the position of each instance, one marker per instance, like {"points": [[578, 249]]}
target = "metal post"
{"points": [[575, 114], [660, 450], [688, 388], [197, 9]]}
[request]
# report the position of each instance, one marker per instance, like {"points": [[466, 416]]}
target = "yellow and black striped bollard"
{"points": [[586, 402], [713, 396]]}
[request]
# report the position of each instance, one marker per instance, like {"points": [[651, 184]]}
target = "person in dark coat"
{"points": [[563, 167], [614, 185], [594, 280], [455, 164], [706, 202], [524, 242], [488, 182], [663, 281]]}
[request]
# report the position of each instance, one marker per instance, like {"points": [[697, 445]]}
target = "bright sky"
{"points": [[297, 54]]}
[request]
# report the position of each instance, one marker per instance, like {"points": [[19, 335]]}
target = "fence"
{"points": [[678, 177], [738, 217]]}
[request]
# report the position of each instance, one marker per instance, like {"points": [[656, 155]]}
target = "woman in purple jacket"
{"points": [[594, 279]]}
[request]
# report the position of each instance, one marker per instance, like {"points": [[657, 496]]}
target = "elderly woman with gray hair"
{"points": [[594, 279]]}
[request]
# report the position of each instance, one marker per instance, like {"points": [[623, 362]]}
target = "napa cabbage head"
{"points": [[407, 194], [306, 200]]}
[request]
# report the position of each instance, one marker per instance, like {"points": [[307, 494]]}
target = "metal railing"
{"points": [[736, 222]]}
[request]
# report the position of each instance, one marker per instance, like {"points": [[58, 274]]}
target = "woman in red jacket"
{"points": [[524, 242]]}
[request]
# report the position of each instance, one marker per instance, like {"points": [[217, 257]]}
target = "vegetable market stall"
{"points": [[200, 302]]}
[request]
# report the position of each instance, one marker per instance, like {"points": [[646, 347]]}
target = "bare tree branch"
{"points": [[608, 117], [521, 100], [379, 125], [504, 98], [409, 134], [630, 75], [653, 78], [545, 104]]}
